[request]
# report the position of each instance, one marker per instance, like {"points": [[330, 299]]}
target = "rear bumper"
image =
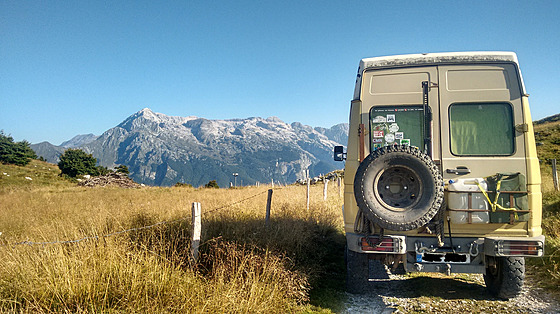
{"points": [[489, 246], [463, 255]]}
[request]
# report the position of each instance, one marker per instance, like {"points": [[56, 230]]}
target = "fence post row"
{"points": [[197, 211], [196, 225]]}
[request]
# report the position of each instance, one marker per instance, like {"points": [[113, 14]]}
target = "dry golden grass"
{"points": [[547, 269], [243, 266]]}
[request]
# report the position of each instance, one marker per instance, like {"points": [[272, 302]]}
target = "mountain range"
{"points": [[162, 150]]}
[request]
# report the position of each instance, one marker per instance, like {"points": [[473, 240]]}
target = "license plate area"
{"points": [[443, 257]]}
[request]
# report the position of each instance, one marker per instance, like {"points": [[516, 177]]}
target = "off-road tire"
{"points": [[357, 272], [399, 188], [505, 281]]}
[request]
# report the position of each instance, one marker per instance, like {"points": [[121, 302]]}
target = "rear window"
{"points": [[481, 129], [397, 125]]}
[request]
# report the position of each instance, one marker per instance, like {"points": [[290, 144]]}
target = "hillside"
{"points": [[36, 173], [547, 137]]}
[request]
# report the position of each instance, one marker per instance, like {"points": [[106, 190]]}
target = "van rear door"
{"points": [[480, 105], [394, 108]]}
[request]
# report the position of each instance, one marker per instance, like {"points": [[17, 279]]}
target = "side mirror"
{"points": [[339, 154]]}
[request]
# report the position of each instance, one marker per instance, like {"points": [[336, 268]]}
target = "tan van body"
{"points": [[469, 113]]}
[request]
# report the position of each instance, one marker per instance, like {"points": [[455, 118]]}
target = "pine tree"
{"points": [[76, 162], [17, 153]]}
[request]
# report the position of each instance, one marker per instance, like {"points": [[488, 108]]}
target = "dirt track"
{"points": [[434, 293]]}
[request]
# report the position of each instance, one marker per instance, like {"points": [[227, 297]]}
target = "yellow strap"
{"points": [[486, 195], [495, 204]]}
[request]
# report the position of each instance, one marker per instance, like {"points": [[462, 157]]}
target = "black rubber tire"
{"points": [[399, 188], [505, 281], [357, 272]]}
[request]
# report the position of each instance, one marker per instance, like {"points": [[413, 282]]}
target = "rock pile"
{"points": [[112, 179]]}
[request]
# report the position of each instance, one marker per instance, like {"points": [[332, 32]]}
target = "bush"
{"points": [[212, 184], [122, 169], [16, 153], [76, 162]]}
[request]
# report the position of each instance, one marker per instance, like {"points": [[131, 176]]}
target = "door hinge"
{"points": [[522, 128]]}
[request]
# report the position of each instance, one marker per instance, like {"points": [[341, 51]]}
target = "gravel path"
{"points": [[436, 293]]}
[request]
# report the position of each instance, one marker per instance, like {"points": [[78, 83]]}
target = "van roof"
{"points": [[441, 58], [437, 58]]}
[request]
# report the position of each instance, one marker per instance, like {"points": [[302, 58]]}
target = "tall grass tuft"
{"points": [[547, 269]]}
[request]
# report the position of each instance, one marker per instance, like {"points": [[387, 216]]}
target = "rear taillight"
{"points": [[385, 245], [519, 248]]}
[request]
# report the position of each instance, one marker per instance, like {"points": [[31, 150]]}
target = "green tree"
{"points": [[17, 153], [212, 184], [122, 169], [101, 171], [76, 162]]}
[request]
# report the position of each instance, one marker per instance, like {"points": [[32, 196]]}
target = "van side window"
{"points": [[481, 129]]}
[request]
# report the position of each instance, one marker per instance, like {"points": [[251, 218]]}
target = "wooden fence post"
{"points": [[308, 181], [325, 188], [196, 225], [339, 182], [555, 175], [268, 205]]}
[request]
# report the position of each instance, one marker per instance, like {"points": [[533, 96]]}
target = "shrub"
{"points": [[212, 184], [16, 153], [76, 162], [122, 169]]}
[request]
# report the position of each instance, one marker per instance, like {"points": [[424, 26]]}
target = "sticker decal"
{"points": [[393, 127], [391, 118], [405, 142], [379, 127], [377, 134], [377, 146], [399, 135], [390, 138], [379, 119], [377, 140]]}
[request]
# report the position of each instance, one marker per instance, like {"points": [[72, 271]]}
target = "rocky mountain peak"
{"points": [[162, 150]]}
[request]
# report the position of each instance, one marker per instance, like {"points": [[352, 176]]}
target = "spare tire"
{"points": [[398, 188]]}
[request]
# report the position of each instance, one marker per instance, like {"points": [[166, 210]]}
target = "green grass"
{"points": [[547, 136], [42, 174]]}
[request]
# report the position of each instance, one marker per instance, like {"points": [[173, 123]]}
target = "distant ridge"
{"points": [[79, 140], [553, 118]]}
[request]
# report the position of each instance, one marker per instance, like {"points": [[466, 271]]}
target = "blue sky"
{"points": [[77, 67]]}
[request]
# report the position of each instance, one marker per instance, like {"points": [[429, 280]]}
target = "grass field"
{"points": [[243, 266], [295, 265]]}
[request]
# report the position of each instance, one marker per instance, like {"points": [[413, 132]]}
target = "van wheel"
{"points": [[399, 188], [504, 277], [357, 271]]}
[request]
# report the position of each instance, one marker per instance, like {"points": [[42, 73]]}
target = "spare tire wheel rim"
{"points": [[398, 188]]}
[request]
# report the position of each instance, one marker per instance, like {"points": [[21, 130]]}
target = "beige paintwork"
{"points": [[455, 78]]}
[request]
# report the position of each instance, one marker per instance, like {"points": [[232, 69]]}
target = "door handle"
{"points": [[460, 170]]}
